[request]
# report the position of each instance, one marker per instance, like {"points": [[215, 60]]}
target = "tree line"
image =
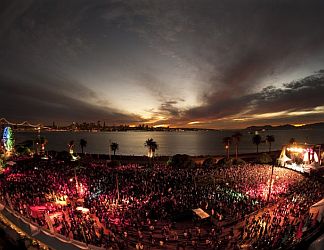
{"points": [[236, 138]]}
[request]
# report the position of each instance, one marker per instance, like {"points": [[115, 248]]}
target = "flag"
{"points": [[49, 223], [299, 232], [315, 219], [34, 229], [9, 201]]}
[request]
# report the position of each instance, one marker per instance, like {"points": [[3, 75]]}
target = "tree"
{"points": [[292, 141], [28, 143], [236, 137], [22, 150], [83, 144], [270, 139], [208, 163], [114, 147], [181, 161], [26, 147], [152, 146], [256, 139], [264, 158], [227, 142]]}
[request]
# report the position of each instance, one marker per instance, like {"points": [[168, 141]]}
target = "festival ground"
{"points": [[136, 207]]}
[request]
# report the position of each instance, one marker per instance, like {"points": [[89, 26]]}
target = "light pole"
{"points": [[227, 151], [117, 188], [270, 184], [109, 148]]}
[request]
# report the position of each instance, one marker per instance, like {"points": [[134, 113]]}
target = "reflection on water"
{"points": [[170, 143]]}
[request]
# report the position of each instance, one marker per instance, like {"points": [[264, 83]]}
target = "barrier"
{"points": [[32, 230], [92, 247]]}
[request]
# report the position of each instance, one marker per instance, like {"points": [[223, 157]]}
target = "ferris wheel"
{"points": [[8, 139]]}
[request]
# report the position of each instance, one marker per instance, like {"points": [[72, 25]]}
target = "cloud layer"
{"points": [[203, 63]]}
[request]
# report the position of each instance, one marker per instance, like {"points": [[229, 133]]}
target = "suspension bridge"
{"points": [[4, 121]]}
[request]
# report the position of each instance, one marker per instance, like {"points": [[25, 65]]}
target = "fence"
{"points": [[53, 241]]}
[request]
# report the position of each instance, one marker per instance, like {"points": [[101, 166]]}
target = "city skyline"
{"points": [[102, 126], [204, 64]]}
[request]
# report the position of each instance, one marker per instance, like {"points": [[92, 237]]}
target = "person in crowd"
{"points": [[131, 203]]}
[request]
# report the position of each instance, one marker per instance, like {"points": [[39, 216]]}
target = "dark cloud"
{"points": [[47, 103], [9, 11], [170, 109], [299, 96], [303, 94], [197, 60], [234, 44]]}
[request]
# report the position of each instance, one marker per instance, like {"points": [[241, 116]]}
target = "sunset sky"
{"points": [[183, 63]]}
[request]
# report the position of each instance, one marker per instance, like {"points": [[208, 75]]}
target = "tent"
{"points": [[200, 213], [317, 210]]}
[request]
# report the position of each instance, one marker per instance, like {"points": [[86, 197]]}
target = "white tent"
{"points": [[201, 213], [317, 210]]}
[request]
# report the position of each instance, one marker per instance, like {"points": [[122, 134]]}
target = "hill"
{"points": [[319, 125]]}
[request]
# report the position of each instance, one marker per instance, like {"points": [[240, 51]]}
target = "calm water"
{"points": [[170, 143]]}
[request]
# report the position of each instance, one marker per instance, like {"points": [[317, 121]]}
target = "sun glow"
{"points": [[194, 122], [317, 110], [270, 115], [161, 126], [299, 125], [240, 119], [146, 116]]}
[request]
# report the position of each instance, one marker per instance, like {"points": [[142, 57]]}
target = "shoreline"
{"points": [[243, 156]]}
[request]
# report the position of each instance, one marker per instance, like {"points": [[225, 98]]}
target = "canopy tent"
{"points": [[317, 210], [201, 213], [300, 157]]}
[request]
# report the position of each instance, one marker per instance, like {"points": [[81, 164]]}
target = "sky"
{"points": [[179, 63]]}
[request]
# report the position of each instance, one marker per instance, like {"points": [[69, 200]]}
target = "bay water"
{"points": [[170, 143]]}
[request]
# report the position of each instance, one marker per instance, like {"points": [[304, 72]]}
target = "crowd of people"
{"points": [[288, 219], [151, 207]]}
